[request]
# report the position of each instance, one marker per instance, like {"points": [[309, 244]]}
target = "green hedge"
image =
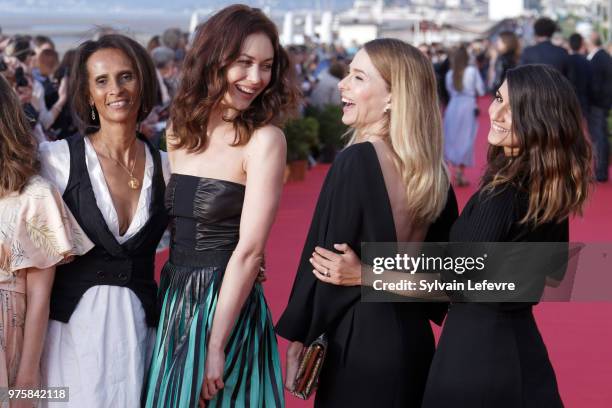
{"points": [[331, 128], [302, 135]]}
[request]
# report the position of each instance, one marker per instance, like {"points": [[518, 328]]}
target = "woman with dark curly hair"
{"points": [[215, 341]]}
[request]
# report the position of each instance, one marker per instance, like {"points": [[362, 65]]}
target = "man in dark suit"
{"points": [[544, 52], [600, 101], [579, 71]]}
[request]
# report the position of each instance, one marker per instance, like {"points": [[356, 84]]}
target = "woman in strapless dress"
{"points": [[215, 342]]}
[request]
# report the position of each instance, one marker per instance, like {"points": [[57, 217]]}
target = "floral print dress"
{"points": [[36, 231]]}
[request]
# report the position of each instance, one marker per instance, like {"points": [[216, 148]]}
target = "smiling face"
{"points": [[113, 86], [365, 95], [501, 133], [250, 74]]}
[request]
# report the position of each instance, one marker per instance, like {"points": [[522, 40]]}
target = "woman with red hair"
{"points": [[215, 340]]}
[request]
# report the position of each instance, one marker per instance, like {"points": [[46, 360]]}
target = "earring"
{"points": [[93, 113], [387, 109]]}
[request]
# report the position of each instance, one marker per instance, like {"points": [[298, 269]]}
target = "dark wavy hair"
{"points": [[216, 46], [144, 71], [18, 156], [554, 157]]}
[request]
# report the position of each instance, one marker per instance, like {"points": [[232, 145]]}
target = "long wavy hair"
{"points": [[18, 158], [553, 163], [414, 125], [216, 46]]}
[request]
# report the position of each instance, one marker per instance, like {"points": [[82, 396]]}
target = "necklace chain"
{"points": [[134, 184]]}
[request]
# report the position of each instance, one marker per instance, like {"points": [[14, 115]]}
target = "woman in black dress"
{"points": [[390, 184], [492, 354]]}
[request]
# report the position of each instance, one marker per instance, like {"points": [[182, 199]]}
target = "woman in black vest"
{"points": [[103, 310]]}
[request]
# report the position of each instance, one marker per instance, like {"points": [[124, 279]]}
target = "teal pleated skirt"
{"points": [[188, 294]]}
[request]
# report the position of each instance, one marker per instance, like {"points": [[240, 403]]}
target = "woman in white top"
{"points": [[464, 84], [103, 309]]}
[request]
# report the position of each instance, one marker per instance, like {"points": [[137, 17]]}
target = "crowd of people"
{"points": [[585, 62], [320, 67], [86, 194]]}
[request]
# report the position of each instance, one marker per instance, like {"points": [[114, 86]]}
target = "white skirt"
{"points": [[102, 354]]}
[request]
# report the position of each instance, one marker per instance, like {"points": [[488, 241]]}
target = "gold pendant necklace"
{"points": [[133, 183]]}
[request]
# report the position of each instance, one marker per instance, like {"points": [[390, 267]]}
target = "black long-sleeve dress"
{"points": [[379, 353], [492, 354]]}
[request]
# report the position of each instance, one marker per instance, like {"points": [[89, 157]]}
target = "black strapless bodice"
{"points": [[204, 212]]}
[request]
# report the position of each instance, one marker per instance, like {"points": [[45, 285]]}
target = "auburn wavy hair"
{"points": [[18, 148], [553, 163], [216, 46]]}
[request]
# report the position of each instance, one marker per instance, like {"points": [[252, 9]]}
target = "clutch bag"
{"points": [[310, 364]]}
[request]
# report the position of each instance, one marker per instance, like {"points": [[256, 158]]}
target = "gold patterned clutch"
{"points": [[311, 362]]}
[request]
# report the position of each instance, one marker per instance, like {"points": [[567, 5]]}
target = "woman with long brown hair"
{"points": [[390, 184], [215, 341], [36, 233], [464, 84], [538, 175]]}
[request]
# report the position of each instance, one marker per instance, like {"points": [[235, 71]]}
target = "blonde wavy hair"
{"points": [[414, 125]]}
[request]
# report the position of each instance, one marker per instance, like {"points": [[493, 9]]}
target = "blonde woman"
{"points": [[390, 184]]}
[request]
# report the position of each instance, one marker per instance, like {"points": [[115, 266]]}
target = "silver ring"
{"points": [[327, 272]]}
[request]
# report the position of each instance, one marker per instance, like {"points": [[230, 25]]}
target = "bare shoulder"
{"points": [[268, 136], [267, 140]]}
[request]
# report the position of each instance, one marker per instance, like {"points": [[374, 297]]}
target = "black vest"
{"points": [[130, 265]]}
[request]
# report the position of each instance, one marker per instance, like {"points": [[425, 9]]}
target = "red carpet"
{"points": [[578, 335]]}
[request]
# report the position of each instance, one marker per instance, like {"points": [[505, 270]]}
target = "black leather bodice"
{"points": [[204, 212]]}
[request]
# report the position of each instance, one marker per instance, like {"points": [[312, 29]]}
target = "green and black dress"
{"points": [[205, 219]]}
